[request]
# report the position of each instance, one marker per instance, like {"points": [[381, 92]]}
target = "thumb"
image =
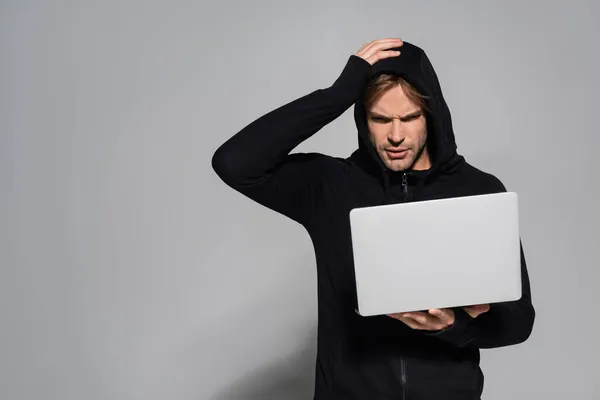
{"points": [[475, 310], [478, 307]]}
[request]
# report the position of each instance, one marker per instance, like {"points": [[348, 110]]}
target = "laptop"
{"points": [[436, 254]]}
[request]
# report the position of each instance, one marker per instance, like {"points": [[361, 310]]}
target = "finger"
{"points": [[389, 44], [372, 48], [425, 322], [472, 312], [407, 320], [388, 39], [420, 320], [381, 55], [438, 313], [441, 318], [444, 315], [377, 47], [398, 316], [375, 54], [412, 323], [421, 317], [388, 54], [479, 306], [386, 44], [383, 42], [475, 310], [482, 309]]}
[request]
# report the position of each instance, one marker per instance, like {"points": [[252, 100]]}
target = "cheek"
{"points": [[423, 132], [377, 135], [418, 135]]}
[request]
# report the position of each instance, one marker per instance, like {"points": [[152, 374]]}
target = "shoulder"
{"points": [[485, 182]]}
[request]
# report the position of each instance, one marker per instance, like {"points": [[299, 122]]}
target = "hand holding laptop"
{"points": [[436, 254], [437, 319]]}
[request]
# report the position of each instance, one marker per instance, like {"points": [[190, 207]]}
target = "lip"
{"points": [[400, 153]]}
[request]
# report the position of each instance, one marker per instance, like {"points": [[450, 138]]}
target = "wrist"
{"points": [[352, 80]]}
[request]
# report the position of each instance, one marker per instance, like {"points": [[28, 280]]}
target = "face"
{"points": [[398, 131]]}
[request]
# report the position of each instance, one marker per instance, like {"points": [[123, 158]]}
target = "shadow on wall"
{"points": [[290, 378]]}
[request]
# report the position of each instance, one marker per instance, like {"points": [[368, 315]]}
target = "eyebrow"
{"points": [[403, 118]]}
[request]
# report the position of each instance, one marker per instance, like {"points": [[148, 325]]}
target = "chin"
{"points": [[397, 167]]}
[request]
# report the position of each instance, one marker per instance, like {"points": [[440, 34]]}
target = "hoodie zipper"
{"points": [[405, 186], [402, 361], [403, 376]]}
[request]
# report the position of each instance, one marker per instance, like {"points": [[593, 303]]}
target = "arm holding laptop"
{"points": [[481, 326], [504, 324]]}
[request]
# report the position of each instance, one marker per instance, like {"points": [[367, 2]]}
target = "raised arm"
{"points": [[257, 162]]}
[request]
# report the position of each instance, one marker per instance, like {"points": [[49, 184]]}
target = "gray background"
{"points": [[130, 271]]}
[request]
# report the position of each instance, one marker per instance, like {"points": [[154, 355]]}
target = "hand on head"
{"points": [[379, 49]]}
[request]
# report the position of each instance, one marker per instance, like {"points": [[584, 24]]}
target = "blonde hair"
{"points": [[384, 82]]}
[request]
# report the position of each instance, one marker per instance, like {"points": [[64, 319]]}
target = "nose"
{"points": [[396, 134]]}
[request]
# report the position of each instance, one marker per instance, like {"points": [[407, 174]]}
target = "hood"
{"points": [[414, 66]]}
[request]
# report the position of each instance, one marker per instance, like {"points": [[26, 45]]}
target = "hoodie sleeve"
{"points": [[505, 324], [257, 162]]}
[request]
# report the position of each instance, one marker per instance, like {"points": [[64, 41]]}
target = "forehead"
{"points": [[394, 101]]}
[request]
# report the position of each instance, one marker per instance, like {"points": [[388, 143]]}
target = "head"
{"points": [[395, 113]]}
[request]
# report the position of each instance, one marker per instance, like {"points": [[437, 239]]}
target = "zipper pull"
{"points": [[405, 186]]}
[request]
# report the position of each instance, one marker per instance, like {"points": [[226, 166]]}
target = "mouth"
{"points": [[397, 154]]}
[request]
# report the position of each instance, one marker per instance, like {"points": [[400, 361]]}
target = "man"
{"points": [[406, 152]]}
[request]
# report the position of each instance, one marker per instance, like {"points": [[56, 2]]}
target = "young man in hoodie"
{"points": [[406, 152]]}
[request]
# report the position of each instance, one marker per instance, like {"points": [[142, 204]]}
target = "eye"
{"points": [[379, 119], [411, 118]]}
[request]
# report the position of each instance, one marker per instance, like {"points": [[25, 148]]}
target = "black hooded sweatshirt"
{"points": [[370, 357]]}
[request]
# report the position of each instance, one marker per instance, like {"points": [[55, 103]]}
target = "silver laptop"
{"points": [[436, 254]]}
